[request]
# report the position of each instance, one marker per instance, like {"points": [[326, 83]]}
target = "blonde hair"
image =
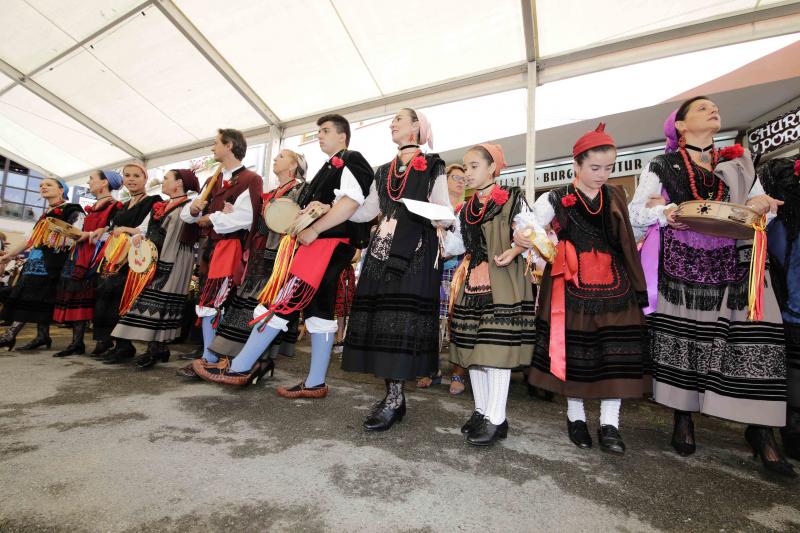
{"points": [[302, 164]]}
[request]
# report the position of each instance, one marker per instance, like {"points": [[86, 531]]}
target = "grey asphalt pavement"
{"points": [[88, 447]]}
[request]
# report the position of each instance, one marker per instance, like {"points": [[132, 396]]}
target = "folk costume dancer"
{"points": [[227, 218], [326, 247], [591, 335], [131, 219], [31, 299], [156, 314], [75, 294], [711, 352], [393, 328], [262, 249], [492, 321]]}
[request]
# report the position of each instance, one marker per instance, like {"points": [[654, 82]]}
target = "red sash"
{"points": [[565, 268]]}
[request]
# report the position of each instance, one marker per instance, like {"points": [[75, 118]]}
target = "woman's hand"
{"points": [[764, 203], [227, 208], [506, 257], [654, 201], [522, 238], [95, 235], [672, 220]]}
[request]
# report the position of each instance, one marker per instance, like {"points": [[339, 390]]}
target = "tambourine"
{"points": [[720, 219], [279, 214], [116, 251], [142, 257], [56, 225], [282, 216]]}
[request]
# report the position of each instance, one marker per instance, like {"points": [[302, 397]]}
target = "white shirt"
{"points": [[241, 217]]}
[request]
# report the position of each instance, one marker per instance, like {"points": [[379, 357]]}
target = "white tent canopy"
{"points": [[92, 83]]}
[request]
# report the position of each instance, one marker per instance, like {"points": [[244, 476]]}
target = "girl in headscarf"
{"points": [[31, 299], [709, 355], [491, 324], [393, 327], [75, 294], [131, 219]]}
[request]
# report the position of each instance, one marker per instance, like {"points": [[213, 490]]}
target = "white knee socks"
{"points": [[609, 411], [480, 387], [499, 379], [575, 410]]}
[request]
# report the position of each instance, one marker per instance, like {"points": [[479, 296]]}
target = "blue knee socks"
{"points": [[256, 343], [208, 338], [321, 344]]}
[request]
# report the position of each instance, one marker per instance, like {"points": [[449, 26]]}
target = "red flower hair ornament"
{"points": [[797, 168]]}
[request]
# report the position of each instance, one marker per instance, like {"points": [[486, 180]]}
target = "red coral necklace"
{"points": [[477, 216], [395, 193], [585, 205], [693, 184]]}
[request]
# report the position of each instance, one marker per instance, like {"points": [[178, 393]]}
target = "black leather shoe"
{"points": [[486, 433], [610, 440], [37, 343], [579, 434], [191, 356], [383, 417], [762, 441], [683, 434], [149, 359], [472, 423], [101, 348], [72, 349], [119, 355]]}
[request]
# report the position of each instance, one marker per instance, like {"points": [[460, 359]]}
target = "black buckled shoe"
{"points": [[579, 434], [383, 416], [120, 354], [72, 349], [486, 433], [472, 423], [101, 348], [610, 440]]}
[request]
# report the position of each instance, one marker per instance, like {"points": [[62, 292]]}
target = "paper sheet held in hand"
{"points": [[429, 210]]}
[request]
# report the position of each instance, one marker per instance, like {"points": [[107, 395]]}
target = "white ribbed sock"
{"points": [[480, 387], [499, 378], [575, 410], [609, 412]]}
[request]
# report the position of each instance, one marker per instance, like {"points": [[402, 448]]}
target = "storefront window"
{"points": [[20, 192]]}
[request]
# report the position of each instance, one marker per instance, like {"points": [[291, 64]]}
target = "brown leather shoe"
{"points": [[300, 391], [221, 372], [186, 372]]}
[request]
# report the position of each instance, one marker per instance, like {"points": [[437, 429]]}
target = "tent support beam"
{"points": [[530, 145], [199, 41], [64, 107]]}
